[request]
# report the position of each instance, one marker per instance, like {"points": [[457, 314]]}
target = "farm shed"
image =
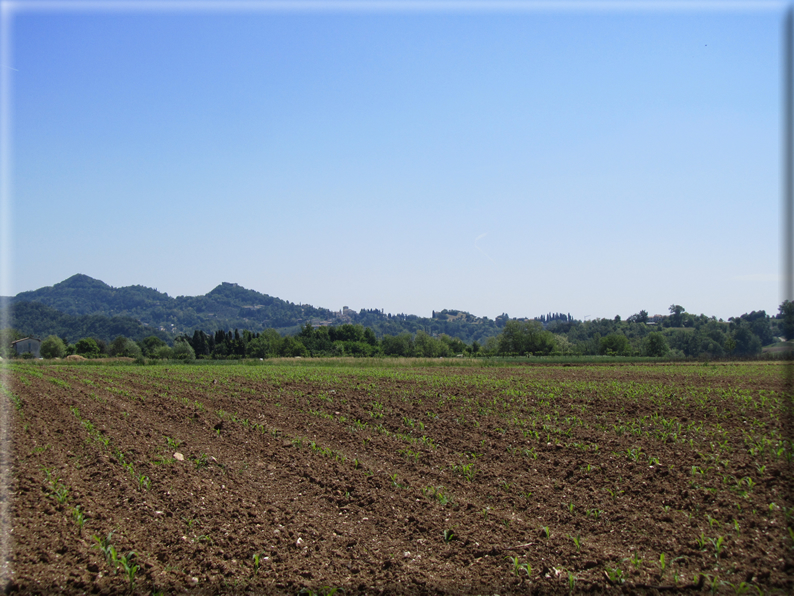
{"points": [[27, 344]]}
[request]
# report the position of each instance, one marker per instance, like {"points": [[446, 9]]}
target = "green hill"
{"points": [[230, 306], [39, 320]]}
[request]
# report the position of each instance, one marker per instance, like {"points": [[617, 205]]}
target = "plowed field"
{"points": [[273, 478]]}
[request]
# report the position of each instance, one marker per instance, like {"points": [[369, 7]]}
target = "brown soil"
{"points": [[339, 478]]}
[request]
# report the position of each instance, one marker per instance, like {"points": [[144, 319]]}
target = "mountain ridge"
{"points": [[231, 306]]}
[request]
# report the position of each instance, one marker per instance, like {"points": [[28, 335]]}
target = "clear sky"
{"points": [[592, 162]]}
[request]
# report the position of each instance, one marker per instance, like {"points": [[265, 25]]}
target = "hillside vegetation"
{"points": [[232, 322]]}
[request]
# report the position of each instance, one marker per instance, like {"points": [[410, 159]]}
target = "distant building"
{"points": [[27, 345]]}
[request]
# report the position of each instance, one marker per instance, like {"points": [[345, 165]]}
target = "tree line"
{"points": [[678, 335]]}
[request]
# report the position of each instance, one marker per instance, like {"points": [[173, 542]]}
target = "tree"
{"points": [[53, 347], [87, 347], [656, 345], [525, 337], [162, 353], [429, 347], [787, 314], [400, 345], [183, 351], [6, 337], [675, 314], [292, 346], [124, 347], [747, 343], [562, 345], [267, 345], [150, 344], [614, 344], [369, 337]]}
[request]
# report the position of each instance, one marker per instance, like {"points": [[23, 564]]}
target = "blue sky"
{"points": [[591, 162]]}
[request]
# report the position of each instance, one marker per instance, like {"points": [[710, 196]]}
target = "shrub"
{"points": [[125, 347], [183, 350], [163, 353], [87, 347], [53, 347]]}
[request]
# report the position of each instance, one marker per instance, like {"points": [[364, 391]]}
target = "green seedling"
{"points": [[662, 563], [257, 561], [577, 542], [449, 536], [144, 482], [173, 443], [107, 549], [519, 567], [594, 513], [719, 545], [570, 507], [48, 475], [130, 568], [713, 584], [546, 531], [571, 582], [712, 521], [701, 541], [736, 527], [741, 588], [61, 494], [437, 493], [615, 575], [79, 518]]}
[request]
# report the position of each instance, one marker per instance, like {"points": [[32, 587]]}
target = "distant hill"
{"points": [[227, 306], [230, 306], [39, 320]]}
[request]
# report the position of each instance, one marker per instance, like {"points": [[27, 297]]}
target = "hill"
{"points": [[39, 320], [230, 306]]}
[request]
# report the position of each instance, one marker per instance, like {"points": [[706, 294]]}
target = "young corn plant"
{"points": [[635, 560], [519, 567], [257, 562], [615, 576], [571, 582], [719, 545], [107, 549], [701, 541], [129, 567], [79, 518], [449, 536], [577, 542], [61, 494]]}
